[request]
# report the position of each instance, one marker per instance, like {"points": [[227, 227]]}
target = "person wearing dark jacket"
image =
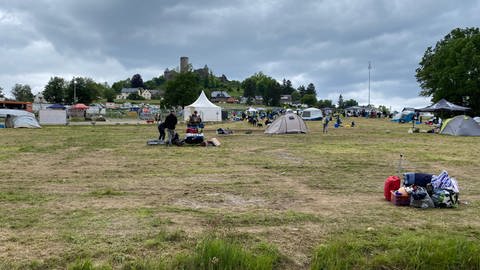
{"points": [[161, 130], [170, 123]]}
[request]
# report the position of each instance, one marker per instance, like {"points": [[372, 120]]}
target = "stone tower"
{"points": [[183, 64]]}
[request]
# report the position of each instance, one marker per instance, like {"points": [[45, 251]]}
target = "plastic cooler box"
{"points": [[399, 199]]}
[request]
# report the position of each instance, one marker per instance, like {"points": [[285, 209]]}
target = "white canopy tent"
{"points": [[208, 111]]}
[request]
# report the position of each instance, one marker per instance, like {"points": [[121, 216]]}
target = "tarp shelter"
{"points": [[79, 106], [404, 116], [56, 107], [19, 119], [287, 123], [443, 105], [461, 125], [208, 111]]}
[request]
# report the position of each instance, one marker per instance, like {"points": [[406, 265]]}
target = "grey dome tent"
{"points": [[461, 125], [287, 123]]}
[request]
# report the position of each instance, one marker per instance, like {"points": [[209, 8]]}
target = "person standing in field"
{"points": [[161, 130], [325, 124], [170, 123]]}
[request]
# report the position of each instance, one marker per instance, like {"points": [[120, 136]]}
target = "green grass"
{"points": [[398, 249], [98, 196], [222, 254]]}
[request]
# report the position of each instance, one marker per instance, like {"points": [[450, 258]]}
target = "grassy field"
{"points": [[97, 197]]}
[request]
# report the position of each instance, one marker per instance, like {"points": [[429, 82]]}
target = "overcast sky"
{"points": [[328, 43]]}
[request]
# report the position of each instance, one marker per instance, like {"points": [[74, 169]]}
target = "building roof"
{"points": [[129, 90]]}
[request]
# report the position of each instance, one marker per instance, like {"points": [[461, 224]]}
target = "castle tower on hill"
{"points": [[183, 64]]}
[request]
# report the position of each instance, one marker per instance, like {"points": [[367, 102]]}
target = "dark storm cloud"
{"points": [[328, 43]]}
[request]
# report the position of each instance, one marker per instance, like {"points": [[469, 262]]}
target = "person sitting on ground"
{"points": [[325, 124], [9, 121], [195, 119], [268, 121]]}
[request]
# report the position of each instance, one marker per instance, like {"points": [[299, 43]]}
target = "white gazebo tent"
{"points": [[208, 111]]}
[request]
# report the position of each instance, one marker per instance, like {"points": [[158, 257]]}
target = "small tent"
{"points": [[461, 125], [206, 109], [405, 116], [287, 123], [19, 118]]}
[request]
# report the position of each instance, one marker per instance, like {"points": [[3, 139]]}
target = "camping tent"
{"points": [[19, 118], [287, 123], [477, 119], [312, 114], [461, 125], [443, 105], [405, 116], [206, 109]]}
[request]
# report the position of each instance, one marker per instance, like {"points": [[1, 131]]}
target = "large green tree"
{"points": [[117, 86], [260, 84], [325, 103], [109, 94], [287, 88], [155, 83], [84, 90], [249, 86], [56, 90], [302, 90], [451, 70], [182, 90], [137, 81], [310, 90], [309, 99], [341, 103], [350, 103], [22, 92]]}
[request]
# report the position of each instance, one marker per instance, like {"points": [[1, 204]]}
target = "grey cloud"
{"points": [[328, 43]]}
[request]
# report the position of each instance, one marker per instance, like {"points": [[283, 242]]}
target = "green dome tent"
{"points": [[461, 125]]}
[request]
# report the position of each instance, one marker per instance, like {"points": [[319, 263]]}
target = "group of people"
{"points": [[338, 123], [170, 124]]}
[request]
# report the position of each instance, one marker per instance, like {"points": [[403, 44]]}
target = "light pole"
{"points": [[74, 91], [369, 68]]}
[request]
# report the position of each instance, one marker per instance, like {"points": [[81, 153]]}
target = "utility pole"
{"points": [[369, 68], [74, 91]]}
